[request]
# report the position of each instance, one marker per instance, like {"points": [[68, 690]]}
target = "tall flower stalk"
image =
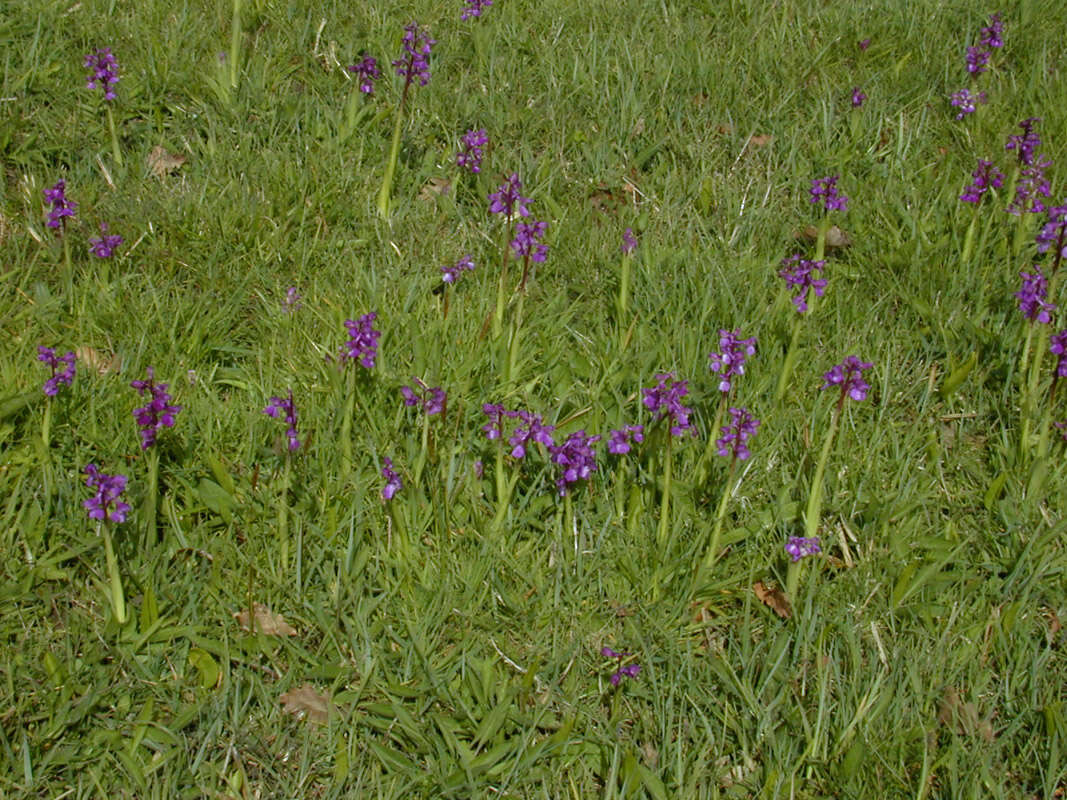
{"points": [[848, 375], [285, 408], [804, 277], [107, 506], [104, 74], [157, 414], [361, 347], [665, 401], [1052, 236], [733, 444], [507, 201], [622, 302], [412, 66]]}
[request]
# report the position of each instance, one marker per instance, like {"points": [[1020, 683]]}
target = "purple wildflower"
{"points": [[291, 303], [494, 428], [799, 547], [577, 458], [158, 414], [105, 246], [799, 273], [731, 361], [991, 35], [470, 156], [285, 406], [849, 376], [527, 242], [619, 442], [1031, 187], [1058, 347], [1032, 296], [61, 206], [1025, 144], [736, 433], [103, 71], [1063, 427], [1054, 232], [363, 344], [629, 242], [368, 73], [474, 8], [966, 102], [857, 97], [393, 484], [432, 400], [66, 376], [505, 199], [105, 504], [826, 189], [629, 671], [414, 64], [665, 399], [451, 274], [864, 44], [530, 429], [977, 60], [985, 176]]}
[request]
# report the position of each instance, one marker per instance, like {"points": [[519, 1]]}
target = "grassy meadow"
{"points": [[370, 592]]}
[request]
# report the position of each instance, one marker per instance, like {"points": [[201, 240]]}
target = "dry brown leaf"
{"points": [[760, 139], [162, 163], [307, 703], [835, 237], [774, 598], [94, 360], [435, 187], [962, 717], [724, 128], [266, 621]]}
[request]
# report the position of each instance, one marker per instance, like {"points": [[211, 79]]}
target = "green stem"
{"points": [[968, 240], [420, 463], [346, 422], [820, 238], [46, 424], [790, 357], [235, 42], [811, 516], [622, 304], [283, 516], [513, 345], [501, 293], [151, 500], [716, 535], [386, 191], [118, 598], [792, 580], [1027, 400], [115, 151], [703, 469], [665, 502]]}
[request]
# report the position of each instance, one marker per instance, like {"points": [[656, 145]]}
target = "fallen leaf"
{"points": [[307, 703], [95, 360], [774, 598], [760, 139], [604, 200], [963, 717], [162, 163], [835, 237], [724, 128], [266, 621], [435, 187]]}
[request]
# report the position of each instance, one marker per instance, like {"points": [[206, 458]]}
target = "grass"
{"points": [[437, 653]]}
